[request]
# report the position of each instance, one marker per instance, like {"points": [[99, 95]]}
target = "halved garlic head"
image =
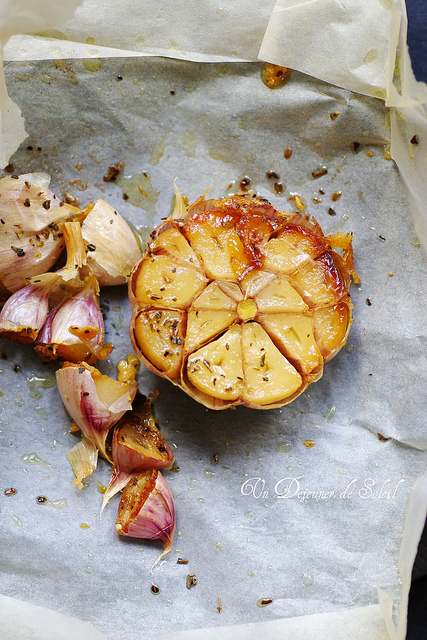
{"points": [[239, 303]]}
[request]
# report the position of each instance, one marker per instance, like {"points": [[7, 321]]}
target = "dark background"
{"points": [[417, 613]]}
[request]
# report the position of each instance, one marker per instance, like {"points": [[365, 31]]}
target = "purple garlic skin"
{"points": [[147, 510], [95, 402]]}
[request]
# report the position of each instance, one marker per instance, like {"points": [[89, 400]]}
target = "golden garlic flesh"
{"points": [[239, 303]]}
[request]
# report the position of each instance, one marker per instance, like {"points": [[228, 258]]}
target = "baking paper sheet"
{"points": [[320, 530]]}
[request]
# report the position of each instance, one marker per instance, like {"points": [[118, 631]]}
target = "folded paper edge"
{"points": [[38, 622]]}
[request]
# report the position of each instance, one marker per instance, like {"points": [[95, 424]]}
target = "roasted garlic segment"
{"points": [[239, 303]]}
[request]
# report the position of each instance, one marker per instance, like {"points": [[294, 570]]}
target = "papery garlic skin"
{"points": [[25, 312], [112, 247], [80, 387], [75, 331], [30, 240], [83, 458], [147, 510]]}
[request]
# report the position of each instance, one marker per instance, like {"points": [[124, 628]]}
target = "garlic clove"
{"points": [[128, 368], [83, 458], [74, 331], [25, 312], [112, 247], [94, 401], [31, 241], [137, 444], [147, 510]]}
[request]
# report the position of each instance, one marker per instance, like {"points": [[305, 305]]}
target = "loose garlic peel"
{"points": [[83, 458], [239, 303]]}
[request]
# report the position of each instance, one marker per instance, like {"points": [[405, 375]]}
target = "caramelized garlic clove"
{"points": [[137, 444], [74, 331], [147, 510]]}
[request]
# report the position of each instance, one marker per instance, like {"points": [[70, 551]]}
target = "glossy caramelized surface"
{"points": [[239, 303]]}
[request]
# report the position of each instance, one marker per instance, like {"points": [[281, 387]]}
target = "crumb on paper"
{"points": [[113, 172], [274, 76]]}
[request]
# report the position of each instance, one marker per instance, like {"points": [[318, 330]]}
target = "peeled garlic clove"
{"points": [[128, 368], [30, 240], [83, 458], [112, 247], [137, 444], [74, 331], [94, 401], [25, 312], [147, 510]]}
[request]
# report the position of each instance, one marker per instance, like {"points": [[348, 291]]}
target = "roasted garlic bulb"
{"points": [[239, 303]]}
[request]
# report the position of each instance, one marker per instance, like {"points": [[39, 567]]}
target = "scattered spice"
{"points": [[263, 602], [336, 196], [334, 115], [390, 273], [382, 438], [214, 458], [19, 252], [245, 183], [219, 607], [17, 368], [172, 92], [415, 140], [182, 561], [10, 492], [272, 175], [113, 172], [278, 187], [299, 202], [41, 499], [154, 589], [369, 153], [319, 172], [368, 302], [355, 146], [387, 156], [191, 580], [308, 443], [70, 199], [288, 153], [332, 212], [381, 238]]}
